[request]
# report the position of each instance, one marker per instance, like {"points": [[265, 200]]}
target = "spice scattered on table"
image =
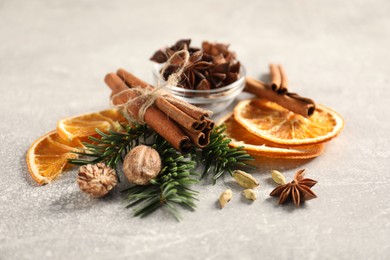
{"points": [[159, 139], [142, 164], [96, 179], [245, 180], [298, 190], [278, 177], [225, 197], [250, 194]]}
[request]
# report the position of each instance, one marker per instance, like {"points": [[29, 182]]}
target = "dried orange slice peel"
{"points": [[274, 123], [84, 125], [47, 156], [257, 146]]}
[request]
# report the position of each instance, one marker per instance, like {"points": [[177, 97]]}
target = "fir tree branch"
{"points": [[111, 147], [170, 189], [219, 158]]}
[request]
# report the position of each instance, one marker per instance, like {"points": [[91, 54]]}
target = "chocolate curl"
{"points": [[153, 117], [187, 115], [290, 101]]}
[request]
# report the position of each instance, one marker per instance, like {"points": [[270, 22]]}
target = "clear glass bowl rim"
{"points": [[235, 84]]}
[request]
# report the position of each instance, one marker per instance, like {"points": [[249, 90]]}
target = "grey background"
{"points": [[54, 55]]}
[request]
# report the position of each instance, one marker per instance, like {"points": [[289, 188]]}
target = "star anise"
{"points": [[298, 190], [218, 50], [194, 75], [224, 74], [226, 69], [212, 67], [195, 72], [163, 55]]}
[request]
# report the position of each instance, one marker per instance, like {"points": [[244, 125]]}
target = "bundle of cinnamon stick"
{"points": [[180, 123], [277, 91]]}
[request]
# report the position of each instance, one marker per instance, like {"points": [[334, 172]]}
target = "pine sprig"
{"points": [[219, 158], [110, 148], [172, 186]]}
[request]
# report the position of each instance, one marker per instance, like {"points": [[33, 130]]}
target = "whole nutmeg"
{"points": [[96, 179], [142, 164]]}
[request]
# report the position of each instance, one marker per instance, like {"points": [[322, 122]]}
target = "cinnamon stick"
{"points": [[116, 85], [276, 77], [208, 129], [199, 139], [284, 83], [290, 101], [132, 80], [153, 117], [191, 110], [279, 79], [210, 124], [176, 113], [190, 118]]}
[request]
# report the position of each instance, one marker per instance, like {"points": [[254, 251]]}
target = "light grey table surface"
{"points": [[54, 55]]}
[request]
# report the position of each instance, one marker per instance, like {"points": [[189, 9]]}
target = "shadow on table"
{"points": [[289, 206], [23, 169], [78, 201], [266, 165]]}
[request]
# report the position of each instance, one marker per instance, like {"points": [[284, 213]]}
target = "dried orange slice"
{"points": [[47, 156], [272, 122], [85, 125], [257, 146]]}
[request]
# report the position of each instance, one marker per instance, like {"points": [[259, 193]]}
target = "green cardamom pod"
{"points": [[245, 180]]}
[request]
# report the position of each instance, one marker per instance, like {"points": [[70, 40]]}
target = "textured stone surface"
{"points": [[54, 55]]}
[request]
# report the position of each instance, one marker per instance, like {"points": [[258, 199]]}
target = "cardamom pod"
{"points": [[245, 180], [225, 197], [278, 177], [250, 194]]}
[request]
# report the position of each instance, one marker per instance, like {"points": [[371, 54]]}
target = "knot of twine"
{"points": [[147, 96]]}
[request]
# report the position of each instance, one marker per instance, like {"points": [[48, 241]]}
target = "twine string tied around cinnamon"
{"points": [[148, 96]]}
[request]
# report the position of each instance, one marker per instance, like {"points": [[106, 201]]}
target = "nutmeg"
{"points": [[142, 164], [96, 179]]}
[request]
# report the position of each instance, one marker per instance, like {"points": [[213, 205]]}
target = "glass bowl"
{"points": [[215, 100]]}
